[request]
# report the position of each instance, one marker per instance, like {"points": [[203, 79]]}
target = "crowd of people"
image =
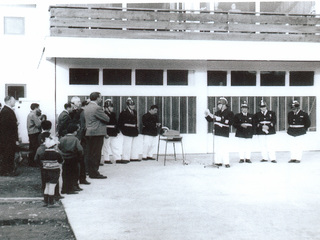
{"points": [[87, 135], [86, 138], [262, 124]]}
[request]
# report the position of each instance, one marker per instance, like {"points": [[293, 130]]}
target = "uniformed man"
{"points": [[128, 126], [299, 122], [265, 122], [111, 143], [243, 122], [222, 119]]}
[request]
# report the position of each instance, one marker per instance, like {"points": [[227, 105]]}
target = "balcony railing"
{"points": [[100, 22]]}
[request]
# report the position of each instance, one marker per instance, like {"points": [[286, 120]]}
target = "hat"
{"points": [[50, 142], [295, 104], [244, 104], [223, 101], [108, 103], [130, 101], [262, 103]]}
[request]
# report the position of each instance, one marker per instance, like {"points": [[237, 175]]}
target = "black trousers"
{"points": [[84, 161], [33, 146], [70, 174], [8, 148], [95, 144]]}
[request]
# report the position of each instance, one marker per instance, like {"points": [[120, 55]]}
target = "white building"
{"points": [[180, 56]]}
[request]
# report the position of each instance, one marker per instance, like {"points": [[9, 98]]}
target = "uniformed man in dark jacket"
{"points": [[128, 125], [111, 140], [243, 122], [150, 123], [298, 122], [222, 119], [265, 123]]}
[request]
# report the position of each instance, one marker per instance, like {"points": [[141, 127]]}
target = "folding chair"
{"points": [[170, 136]]}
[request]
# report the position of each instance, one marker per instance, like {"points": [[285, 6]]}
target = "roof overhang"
{"points": [[110, 48]]}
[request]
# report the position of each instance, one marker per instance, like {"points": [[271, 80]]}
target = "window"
{"points": [[217, 78], [16, 90], [177, 77], [272, 78], [83, 76], [14, 25], [301, 78], [293, 7], [149, 77], [116, 76], [243, 78]]}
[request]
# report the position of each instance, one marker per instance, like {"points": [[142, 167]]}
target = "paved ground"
{"points": [[146, 200]]}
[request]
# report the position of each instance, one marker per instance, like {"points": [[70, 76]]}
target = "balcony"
{"points": [[96, 21]]}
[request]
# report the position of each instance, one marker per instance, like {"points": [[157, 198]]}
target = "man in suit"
{"points": [[151, 123], [8, 136], [265, 127], [63, 120], [96, 129], [34, 130], [128, 126], [299, 122]]}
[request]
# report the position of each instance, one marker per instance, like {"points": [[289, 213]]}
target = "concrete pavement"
{"points": [[146, 200]]}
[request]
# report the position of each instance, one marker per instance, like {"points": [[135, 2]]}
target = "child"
{"points": [[71, 151], [50, 163]]}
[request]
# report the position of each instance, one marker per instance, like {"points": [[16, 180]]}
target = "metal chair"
{"points": [[170, 136]]}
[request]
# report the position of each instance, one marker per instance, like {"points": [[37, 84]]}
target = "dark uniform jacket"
{"points": [[63, 121], [128, 123], [298, 124], [222, 127], [112, 126], [242, 132], [268, 119], [149, 122]]}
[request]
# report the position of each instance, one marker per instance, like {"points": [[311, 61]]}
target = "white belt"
{"points": [[296, 126], [111, 126], [130, 125], [221, 124], [265, 122], [248, 124]]}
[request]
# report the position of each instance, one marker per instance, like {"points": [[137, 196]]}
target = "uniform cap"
{"points": [[223, 101], [244, 104], [295, 104], [108, 103], [262, 103], [130, 101]]}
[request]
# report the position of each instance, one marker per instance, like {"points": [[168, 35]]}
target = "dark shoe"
{"points": [[292, 161], [241, 161], [227, 165], [58, 197], [297, 161], [248, 161], [274, 161], [77, 189], [144, 159], [122, 161], [151, 158], [263, 160], [107, 162], [85, 182], [99, 177], [218, 164], [45, 200], [135, 160], [101, 164], [72, 192]]}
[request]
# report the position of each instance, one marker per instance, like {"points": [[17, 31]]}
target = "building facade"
{"points": [[180, 56]]}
